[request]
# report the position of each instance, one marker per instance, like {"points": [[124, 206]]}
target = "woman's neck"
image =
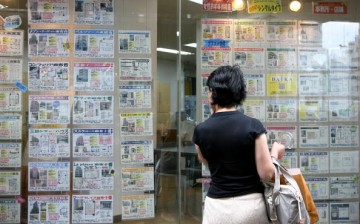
{"points": [[218, 109]]}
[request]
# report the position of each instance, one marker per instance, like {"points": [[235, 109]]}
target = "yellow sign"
{"points": [[281, 84], [264, 6]]}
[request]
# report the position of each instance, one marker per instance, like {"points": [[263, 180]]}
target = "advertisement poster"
{"points": [[133, 152], [205, 88], [281, 84], [323, 211], [313, 109], [314, 162], [10, 154], [250, 58], [344, 84], [268, 6], [48, 11], [344, 136], [281, 110], [137, 179], [94, 76], [93, 109], [48, 76], [249, 31], [319, 187], [49, 176], [45, 109], [10, 127], [343, 187], [313, 84], [344, 58], [211, 59], [91, 175], [94, 43], [281, 58], [290, 160], [344, 161], [206, 110], [314, 136], [48, 43], [10, 183], [134, 41], [11, 42], [255, 84], [313, 59], [92, 208], [9, 210], [94, 12], [255, 109], [50, 209], [135, 96], [135, 69], [285, 135], [138, 206], [49, 143], [343, 110], [282, 32], [344, 212], [10, 70], [10, 99], [93, 142], [136, 124], [310, 33], [217, 5]]}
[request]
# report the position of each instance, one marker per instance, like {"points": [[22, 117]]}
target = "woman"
{"points": [[234, 146]]}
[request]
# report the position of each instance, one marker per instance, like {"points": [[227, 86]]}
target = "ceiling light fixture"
{"points": [[3, 6], [172, 51], [295, 5], [197, 1], [238, 5], [191, 45]]}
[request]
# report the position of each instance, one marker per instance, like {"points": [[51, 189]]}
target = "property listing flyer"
{"points": [[281, 84], [205, 88], [314, 162], [323, 211], [49, 176], [10, 183], [285, 135], [135, 96], [344, 161], [281, 110], [319, 187], [281, 58], [9, 210], [249, 31], [135, 69], [133, 152], [48, 43], [255, 84], [10, 99], [11, 42], [344, 136], [211, 59], [134, 41], [136, 124], [137, 179], [92, 208], [93, 109], [344, 58], [93, 142], [48, 11], [310, 33], [289, 160], [10, 127], [313, 110], [343, 187], [249, 58], [48, 76], [216, 33], [50, 209], [49, 143], [89, 175], [255, 109], [94, 12], [314, 136], [94, 76], [10, 155], [313, 59], [206, 110], [344, 212], [343, 110], [313, 84], [138, 206], [45, 109], [205, 172], [94, 43], [344, 84], [10, 70], [282, 32]]}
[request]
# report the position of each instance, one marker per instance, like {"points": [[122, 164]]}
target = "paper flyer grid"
{"points": [[314, 136], [48, 43], [313, 59], [134, 41], [133, 152], [137, 179], [312, 162], [281, 110], [135, 69], [290, 160], [11, 42], [319, 187], [46, 109], [9, 210], [344, 162], [344, 135], [10, 127], [94, 76], [92, 208], [49, 176], [49, 143], [281, 84], [48, 11], [343, 84], [10, 154], [51, 209], [281, 59], [135, 96], [136, 124], [10, 183], [89, 175], [138, 206], [93, 142], [255, 84], [10, 99], [323, 211], [344, 212], [48, 76], [10, 70], [313, 110], [94, 12], [204, 87], [313, 84], [249, 31], [344, 187], [93, 109], [255, 109], [94, 43], [249, 58]]}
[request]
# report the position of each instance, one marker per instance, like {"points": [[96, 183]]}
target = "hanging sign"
{"points": [[264, 6], [217, 5], [329, 8]]}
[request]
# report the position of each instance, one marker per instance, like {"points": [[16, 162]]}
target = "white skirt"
{"points": [[246, 209]]}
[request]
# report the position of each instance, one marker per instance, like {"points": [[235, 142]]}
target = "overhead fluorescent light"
{"points": [[172, 51], [191, 45], [197, 1], [3, 6]]}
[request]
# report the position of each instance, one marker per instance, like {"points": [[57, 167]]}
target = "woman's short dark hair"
{"points": [[227, 86]]}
